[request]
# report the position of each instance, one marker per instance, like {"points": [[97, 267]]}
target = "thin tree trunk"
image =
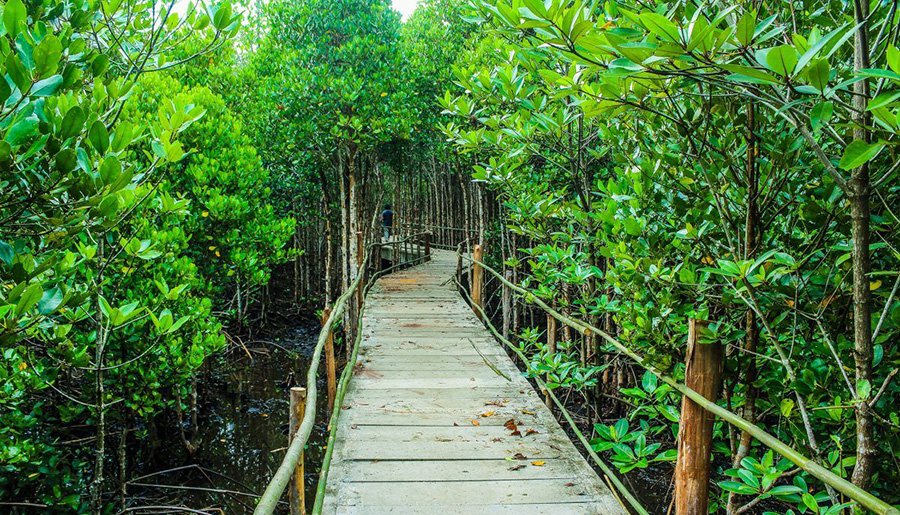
{"points": [[866, 452]]}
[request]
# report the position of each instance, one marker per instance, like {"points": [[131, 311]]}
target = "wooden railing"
{"points": [[864, 498], [415, 245]]}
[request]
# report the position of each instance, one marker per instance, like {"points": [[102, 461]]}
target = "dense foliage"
{"points": [[732, 163], [131, 206]]}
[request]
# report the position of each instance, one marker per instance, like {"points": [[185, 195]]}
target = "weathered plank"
{"points": [[439, 421]]}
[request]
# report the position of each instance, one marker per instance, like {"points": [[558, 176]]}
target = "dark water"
{"points": [[244, 427]]}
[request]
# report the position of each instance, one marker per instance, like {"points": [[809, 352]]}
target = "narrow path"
{"points": [[430, 413]]}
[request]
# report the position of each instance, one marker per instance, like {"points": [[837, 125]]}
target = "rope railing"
{"points": [[271, 496], [864, 498]]}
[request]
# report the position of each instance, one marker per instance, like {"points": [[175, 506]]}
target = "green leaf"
{"points": [[99, 137], [6, 252], [47, 87], [811, 502], [819, 73], [746, 27], [110, 169], [737, 487], [72, 123], [46, 56], [28, 299], [782, 60], [787, 406], [814, 50], [661, 27], [879, 74], [883, 99], [820, 114], [632, 226], [22, 131], [14, 14], [785, 490], [858, 153], [744, 72], [863, 389], [51, 300]]}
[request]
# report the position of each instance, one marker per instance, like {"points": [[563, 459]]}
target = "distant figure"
{"points": [[387, 221]]}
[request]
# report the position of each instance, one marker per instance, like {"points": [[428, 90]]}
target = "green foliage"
{"points": [[106, 240], [705, 162]]}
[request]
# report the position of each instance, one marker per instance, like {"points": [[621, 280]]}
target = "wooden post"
{"points": [[329, 360], [551, 350], [427, 246], [297, 491], [506, 302], [360, 271], [703, 373], [459, 267], [376, 257], [477, 278]]}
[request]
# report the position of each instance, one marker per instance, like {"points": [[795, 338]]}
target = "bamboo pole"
{"points": [[864, 498], [703, 373], [477, 278], [329, 356], [296, 491]]}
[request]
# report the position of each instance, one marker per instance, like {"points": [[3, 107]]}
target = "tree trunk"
{"points": [[866, 452]]}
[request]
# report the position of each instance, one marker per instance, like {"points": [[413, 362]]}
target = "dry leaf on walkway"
{"points": [[476, 423], [538, 463]]}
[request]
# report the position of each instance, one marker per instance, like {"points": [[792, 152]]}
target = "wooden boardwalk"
{"points": [[438, 420]]}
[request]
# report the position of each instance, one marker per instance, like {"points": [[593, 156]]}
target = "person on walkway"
{"points": [[387, 221]]}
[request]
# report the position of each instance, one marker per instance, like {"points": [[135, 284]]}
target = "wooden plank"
{"points": [[475, 493], [581, 508], [449, 470]]}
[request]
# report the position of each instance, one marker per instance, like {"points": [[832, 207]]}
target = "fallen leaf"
{"points": [[511, 425], [530, 432], [538, 463], [516, 467], [520, 456], [476, 423], [516, 433], [570, 484], [488, 414], [526, 412]]}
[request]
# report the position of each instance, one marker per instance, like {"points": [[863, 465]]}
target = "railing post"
{"points": [[359, 262], [459, 265], [551, 351], [477, 278], [376, 257], [297, 491], [329, 359], [703, 373], [427, 246], [506, 303]]}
